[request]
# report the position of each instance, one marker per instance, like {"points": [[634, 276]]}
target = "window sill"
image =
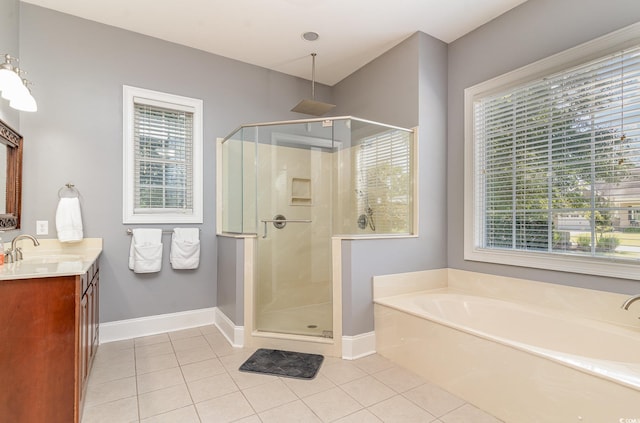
{"points": [[161, 219], [559, 262]]}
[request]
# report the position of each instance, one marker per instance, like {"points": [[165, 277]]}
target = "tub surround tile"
{"points": [[573, 301], [568, 300], [513, 384], [405, 283]]}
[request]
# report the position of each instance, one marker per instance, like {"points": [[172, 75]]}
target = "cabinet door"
{"points": [[84, 339], [96, 314]]}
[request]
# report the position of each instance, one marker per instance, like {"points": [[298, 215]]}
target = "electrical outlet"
{"points": [[42, 227]]}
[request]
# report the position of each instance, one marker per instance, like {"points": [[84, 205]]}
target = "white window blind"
{"points": [[557, 162], [163, 157], [163, 140], [384, 181]]}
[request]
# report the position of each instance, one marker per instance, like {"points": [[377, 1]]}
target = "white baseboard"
{"points": [[233, 333], [151, 325], [354, 347]]}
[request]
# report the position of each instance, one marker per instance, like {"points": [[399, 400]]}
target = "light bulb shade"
{"points": [[24, 102], [9, 82]]}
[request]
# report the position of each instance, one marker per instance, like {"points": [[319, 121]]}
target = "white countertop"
{"points": [[52, 258]]}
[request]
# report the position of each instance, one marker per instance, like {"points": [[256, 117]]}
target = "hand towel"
{"points": [[69, 220], [185, 248], [145, 253]]}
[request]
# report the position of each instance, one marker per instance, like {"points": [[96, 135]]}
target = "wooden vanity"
{"points": [[49, 326]]}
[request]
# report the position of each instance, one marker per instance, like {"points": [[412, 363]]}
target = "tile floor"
{"points": [[192, 376]]}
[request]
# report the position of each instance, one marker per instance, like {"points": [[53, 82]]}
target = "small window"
{"points": [[163, 157]]}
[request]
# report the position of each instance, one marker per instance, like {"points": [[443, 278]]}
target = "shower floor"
{"points": [[311, 320]]}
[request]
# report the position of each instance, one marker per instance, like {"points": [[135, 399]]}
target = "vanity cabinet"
{"points": [[48, 339]]}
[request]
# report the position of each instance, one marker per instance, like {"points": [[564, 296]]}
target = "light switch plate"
{"points": [[42, 227]]}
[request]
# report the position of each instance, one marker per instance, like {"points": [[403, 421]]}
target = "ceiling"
{"points": [[268, 33]]}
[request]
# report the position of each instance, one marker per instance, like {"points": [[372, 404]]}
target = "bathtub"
{"points": [[520, 362]]}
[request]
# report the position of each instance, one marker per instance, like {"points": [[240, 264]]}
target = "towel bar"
{"points": [[164, 231]]}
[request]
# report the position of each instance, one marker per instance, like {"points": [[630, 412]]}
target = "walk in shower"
{"points": [[294, 187]]}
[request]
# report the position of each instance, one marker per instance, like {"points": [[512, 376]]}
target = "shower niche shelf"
{"points": [[300, 192]]}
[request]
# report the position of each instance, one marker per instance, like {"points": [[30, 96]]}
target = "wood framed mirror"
{"points": [[10, 177]]}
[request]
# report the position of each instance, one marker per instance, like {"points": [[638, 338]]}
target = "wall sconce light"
{"points": [[14, 87]]}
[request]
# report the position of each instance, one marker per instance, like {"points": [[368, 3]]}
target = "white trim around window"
{"points": [[475, 246], [133, 98]]}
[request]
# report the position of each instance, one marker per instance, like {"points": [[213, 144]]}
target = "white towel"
{"points": [[185, 248], [145, 254], [69, 220]]}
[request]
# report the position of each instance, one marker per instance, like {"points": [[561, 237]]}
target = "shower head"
{"points": [[313, 107]]}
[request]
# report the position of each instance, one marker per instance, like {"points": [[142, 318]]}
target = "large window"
{"points": [[554, 162], [163, 156]]}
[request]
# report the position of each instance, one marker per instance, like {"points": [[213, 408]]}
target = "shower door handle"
{"points": [[281, 223]]}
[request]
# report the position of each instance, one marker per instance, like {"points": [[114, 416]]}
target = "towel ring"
{"points": [[69, 187]]}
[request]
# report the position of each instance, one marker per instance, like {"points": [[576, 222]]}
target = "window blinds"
{"points": [[557, 161], [384, 181], [163, 164]]}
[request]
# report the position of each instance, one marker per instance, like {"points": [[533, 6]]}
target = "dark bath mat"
{"points": [[283, 363]]}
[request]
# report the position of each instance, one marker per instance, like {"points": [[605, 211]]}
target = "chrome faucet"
{"points": [[630, 301], [15, 252]]}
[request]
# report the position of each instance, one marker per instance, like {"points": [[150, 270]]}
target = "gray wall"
{"points": [[9, 44], [407, 86], [79, 67], [532, 31]]}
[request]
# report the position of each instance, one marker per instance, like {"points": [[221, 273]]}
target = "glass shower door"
{"points": [[293, 292]]}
